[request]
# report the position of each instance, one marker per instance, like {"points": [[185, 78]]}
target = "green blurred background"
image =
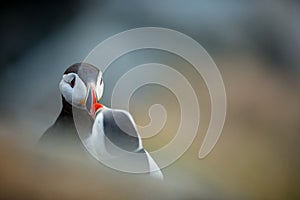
{"points": [[256, 46]]}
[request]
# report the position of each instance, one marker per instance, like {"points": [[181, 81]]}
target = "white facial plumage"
{"points": [[99, 86], [73, 90]]}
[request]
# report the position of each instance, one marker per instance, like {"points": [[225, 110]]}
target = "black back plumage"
{"points": [[63, 133], [119, 129]]}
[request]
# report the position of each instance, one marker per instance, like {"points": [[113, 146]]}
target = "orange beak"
{"points": [[92, 104]]}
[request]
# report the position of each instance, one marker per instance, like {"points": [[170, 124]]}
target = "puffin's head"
{"points": [[76, 81]]}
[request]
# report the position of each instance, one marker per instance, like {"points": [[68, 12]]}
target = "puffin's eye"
{"points": [[72, 83], [101, 81]]}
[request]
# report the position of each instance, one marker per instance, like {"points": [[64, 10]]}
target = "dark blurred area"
{"points": [[25, 24], [255, 44], [270, 29]]}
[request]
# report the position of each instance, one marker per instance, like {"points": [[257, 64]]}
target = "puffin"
{"points": [[62, 136], [115, 140], [110, 135]]}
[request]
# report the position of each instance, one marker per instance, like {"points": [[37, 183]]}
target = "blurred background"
{"points": [[255, 44]]}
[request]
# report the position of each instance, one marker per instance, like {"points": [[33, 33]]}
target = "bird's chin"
{"points": [[81, 107]]}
